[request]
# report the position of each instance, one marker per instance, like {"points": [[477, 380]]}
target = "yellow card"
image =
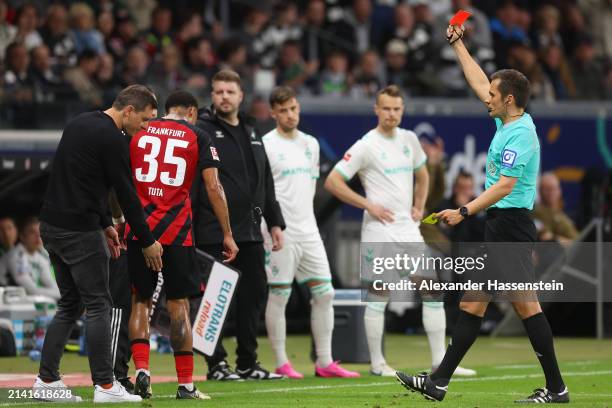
{"points": [[430, 219]]}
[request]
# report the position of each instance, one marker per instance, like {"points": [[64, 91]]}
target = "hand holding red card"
{"points": [[460, 17]]}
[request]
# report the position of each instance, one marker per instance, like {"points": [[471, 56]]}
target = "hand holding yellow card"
{"points": [[430, 219]]}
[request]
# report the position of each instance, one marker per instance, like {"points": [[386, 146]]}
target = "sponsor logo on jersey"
{"points": [[308, 153], [213, 151], [219, 134], [508, 158], [406, 151]]}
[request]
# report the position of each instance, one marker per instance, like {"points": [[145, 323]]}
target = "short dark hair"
{"points": [[26, 222], [227, 75], [280, 95], [180, 98], [390, 90], [139, 96], [513, 82]]}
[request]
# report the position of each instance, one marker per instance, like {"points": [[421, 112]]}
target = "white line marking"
{"points": [[391, 382]]}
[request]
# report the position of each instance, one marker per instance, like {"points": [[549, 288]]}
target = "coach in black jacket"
{"points": [[247, 180]]}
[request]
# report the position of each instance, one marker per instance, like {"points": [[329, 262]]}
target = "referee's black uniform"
{"points": [[249, 188], [92, 157]]}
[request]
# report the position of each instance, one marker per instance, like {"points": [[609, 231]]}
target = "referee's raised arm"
{"points": [[475, 76]]}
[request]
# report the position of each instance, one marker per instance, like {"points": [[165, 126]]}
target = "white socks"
{"points": [[188, 386], [434, 322], [276, 324], [322, 321], [374, 321]]}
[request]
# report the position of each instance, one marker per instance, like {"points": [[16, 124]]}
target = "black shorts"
{"points": [[510, 237], [180, 272]]}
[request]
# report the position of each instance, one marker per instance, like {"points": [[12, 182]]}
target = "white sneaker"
{"points": [[55, 391], [117, 393], [460, 371], [464, 372], [382, 370]]}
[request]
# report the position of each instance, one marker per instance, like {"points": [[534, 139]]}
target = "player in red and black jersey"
{"points": [[165, 159]]}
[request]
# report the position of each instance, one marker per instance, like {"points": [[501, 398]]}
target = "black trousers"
{"points": [[80, 260], [248, 303], [120, 315]]}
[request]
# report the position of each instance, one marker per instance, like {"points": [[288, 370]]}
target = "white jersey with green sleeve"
{"points": [[515, 152], [295, 168], [386, 165]]}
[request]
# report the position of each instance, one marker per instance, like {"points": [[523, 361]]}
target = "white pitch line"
{"points": [[378, 384], [520, 366]]}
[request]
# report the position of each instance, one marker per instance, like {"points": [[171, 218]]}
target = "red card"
{"points": [[460, 17]]}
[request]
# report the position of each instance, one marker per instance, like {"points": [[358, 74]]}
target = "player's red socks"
{"points": [[140, 353], [183, 361]]}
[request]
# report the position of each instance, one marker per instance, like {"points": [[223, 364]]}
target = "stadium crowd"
{"points": [[61, 52]]}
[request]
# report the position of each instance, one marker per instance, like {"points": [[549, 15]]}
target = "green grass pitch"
{"points": [[507, 369]]}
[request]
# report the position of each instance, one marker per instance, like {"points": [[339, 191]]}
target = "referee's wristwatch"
{"points": [[464, 212]]}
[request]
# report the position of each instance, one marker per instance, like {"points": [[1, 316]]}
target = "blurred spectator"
{"points": [[292, 70], [141, 11], [200, 57], [7, 31], [472, 228], [575, 27], [29, 264], [260, 111], [57, 37], [358, 20], [422, 11], [8, 239], [106, 79], [84, 33], [587, 71], [19, 85], [506, 31], [160, 34], [232, 54], [124, 38], [284, 27], [83, 79], [335, 79], [318, 38], [192, 27], [548, 23], [434, 149], [135, 66], [552, 223], [395, 63], [170, 74], [419, 50], [368, 76], [598, 14], [27, 25], [524, 59], [557, 70], [49, 84], [106, 26], [256, 22]]}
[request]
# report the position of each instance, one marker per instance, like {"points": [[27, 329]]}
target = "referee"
{"points": [[513, 162], [76, 229]]}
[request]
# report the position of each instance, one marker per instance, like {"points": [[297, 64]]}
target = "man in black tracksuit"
{"points": [[246, 177]]}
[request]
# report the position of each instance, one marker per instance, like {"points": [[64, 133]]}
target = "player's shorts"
{"points": [[510, 236], [180, 272], [303, 261]]}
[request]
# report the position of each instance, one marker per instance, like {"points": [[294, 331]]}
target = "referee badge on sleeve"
{"points": [[508, 158]]}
